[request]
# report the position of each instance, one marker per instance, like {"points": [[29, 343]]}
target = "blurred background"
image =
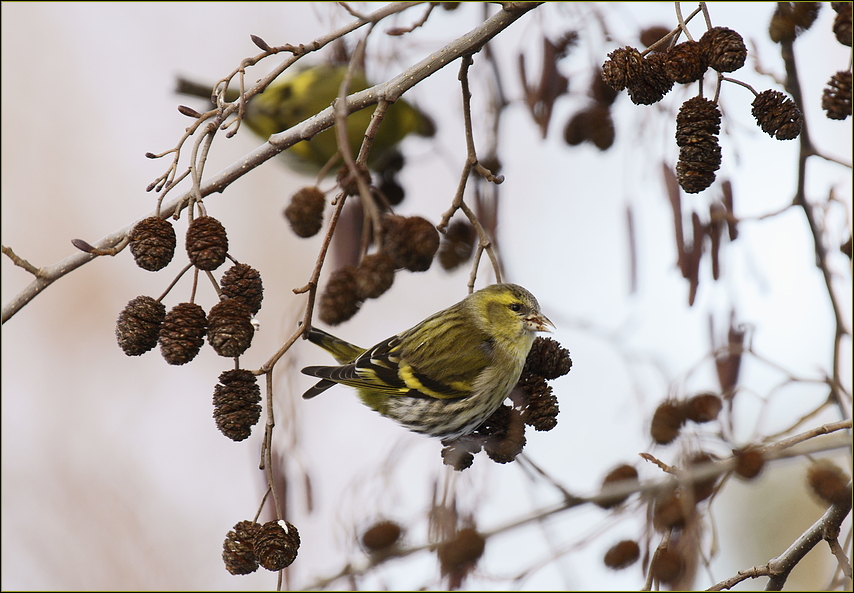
{"points": [[114, 475]]}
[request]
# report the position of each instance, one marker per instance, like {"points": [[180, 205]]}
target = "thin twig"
{"points": [[390, 91]]}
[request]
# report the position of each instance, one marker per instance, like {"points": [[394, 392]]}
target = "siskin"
{"points": [[294, 98], [448, 374]]}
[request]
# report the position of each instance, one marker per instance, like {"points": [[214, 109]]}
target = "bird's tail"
{"points": [[318, 388], [344, 352]]}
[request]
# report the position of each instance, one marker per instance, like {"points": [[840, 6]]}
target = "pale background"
{"points": [[114, 475]]}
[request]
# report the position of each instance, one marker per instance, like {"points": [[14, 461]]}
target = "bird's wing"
{"points": [[380, 369]]}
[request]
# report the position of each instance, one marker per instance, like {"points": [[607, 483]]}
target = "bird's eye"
{"points": [[516, 307]]}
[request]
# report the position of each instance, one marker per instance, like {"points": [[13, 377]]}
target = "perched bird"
{"points": [[297, 96], [449, 373]]}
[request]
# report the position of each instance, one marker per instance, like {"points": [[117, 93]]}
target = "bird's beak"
{"points": [[539, 322]]}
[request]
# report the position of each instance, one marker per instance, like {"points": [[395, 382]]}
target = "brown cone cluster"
{"points": [[236, 403], [836, 98], [593, 124], [502, 435], [206, 243], [138, 325], [458, 555], [671, 415], [305, 211], [273, 545], [243, 283], [152, 243], [790, 19], [374, 275], [238, 548], [230, 328], [182, 333], [457, 244], [339, 300], [644, 78], [686, 62], [407, 243], [381, 536], [777, 115], [697, 125], [622, 554], [724, 48], [623, 475], [277, 545], [411, 242], [829, 482], [842, 22], [349, 182]]}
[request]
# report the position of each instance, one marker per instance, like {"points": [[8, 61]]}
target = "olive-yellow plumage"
{"points": [[449, 373], [295, 97]]}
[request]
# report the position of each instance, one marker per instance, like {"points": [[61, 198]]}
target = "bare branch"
{"points": [[389, 91]]}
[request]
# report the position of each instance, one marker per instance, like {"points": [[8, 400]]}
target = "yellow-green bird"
{"points": [[297, 96], [449, 373]]}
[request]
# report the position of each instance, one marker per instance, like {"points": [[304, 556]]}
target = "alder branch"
{"points": [[779, 568], [793, 447], [389, 91]]}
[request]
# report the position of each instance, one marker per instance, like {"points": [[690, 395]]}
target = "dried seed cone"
{"points": [[411, 242], [668, 511], [340, 300], [601, 92], [547, 358], [685, 62], [238, 548], [697, 125], [277, 545], [842, 22], [701, 408], [459, 454], [652, 35], [624, 473], [392, 191], [666, 422], [704, 488], [236, 407], [593, 124], [667, 566], [623, 67], [459, 555], [749, 463], [457, 245], [724, 48], [230, 328], [782, 27], [805, 13], [506, 434], [836, 98], [305, 211], [541, 409], [183, 333], [348, 182], [622, 554], [243, 283], [645, 78], [777, 115], [654, 84], [790, 19], [138, 325], [381, 535], [577, 128], [374, 275], [152, 243], [206, 243], [829, 482]]}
